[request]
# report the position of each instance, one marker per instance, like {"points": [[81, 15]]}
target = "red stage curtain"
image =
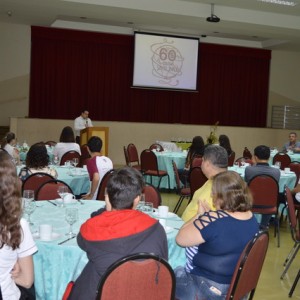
{"points": [[73, 70]]}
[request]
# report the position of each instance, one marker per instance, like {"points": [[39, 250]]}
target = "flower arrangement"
{"points": [[213, 138]]}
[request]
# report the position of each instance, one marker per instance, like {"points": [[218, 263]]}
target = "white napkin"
{"points": [[297, 197]]}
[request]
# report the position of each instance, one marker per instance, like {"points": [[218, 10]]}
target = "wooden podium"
{"points": [[101, 132]]}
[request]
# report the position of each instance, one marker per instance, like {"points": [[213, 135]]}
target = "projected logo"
{"points": [[167, 62]]}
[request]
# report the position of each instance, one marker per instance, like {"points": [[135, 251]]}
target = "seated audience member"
{"points": [[225, 143], [214, 240], [292, 144], [8, 144], [117, 232], [37, 160], [16, 243], [261, 167], [214, 161], [196, 149], [98, 165], [66, 143]]}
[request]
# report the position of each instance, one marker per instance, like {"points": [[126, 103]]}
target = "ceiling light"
{"points": [[280, 2]]}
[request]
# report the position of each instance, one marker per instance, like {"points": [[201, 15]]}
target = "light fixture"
{"points": [[213, 17], [280, 2]]}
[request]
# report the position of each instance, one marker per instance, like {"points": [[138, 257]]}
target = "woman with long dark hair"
{"points": [[16, 242], [195, 150], [66, 143], [225, 143]]}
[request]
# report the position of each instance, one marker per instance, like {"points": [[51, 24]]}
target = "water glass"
{"points": [[277, 164], [148, 208], [75, 161], [62, 191], [71, 216], [29, 207]]}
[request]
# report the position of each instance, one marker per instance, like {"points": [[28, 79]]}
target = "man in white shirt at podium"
{"points": [[83, 121]]}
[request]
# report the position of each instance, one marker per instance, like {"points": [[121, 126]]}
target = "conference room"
{"points": [[244, 77]]}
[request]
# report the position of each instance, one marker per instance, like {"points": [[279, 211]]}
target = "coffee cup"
{"points": [[287, 170], [163, 211], [45, 231], [84, 167], [68, 198]]}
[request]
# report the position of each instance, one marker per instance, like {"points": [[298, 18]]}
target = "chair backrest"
{"points": [[247, 153], [103, 183], [197, 179], [196, 161], [264, 189], [248, 268], [148, 161], [295, 167], [69, 155], [157, 147], [291, 212], [176, 174], [126, 156], [48, 190], [85, 155], [283, 158], [35, 180], [138, 276], [152, 195], [133, 155], [231, 158]]}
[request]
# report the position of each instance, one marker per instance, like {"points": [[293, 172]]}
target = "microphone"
{"points": [[86, 123]]}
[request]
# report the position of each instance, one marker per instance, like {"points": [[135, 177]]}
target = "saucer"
{"points": [[170, 215], [54, 237], [168, 229], [59, 201]]}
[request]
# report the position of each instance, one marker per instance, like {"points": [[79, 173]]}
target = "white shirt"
{"points": [[10, 150], [61, 148], [8, 259], [81, 123]]}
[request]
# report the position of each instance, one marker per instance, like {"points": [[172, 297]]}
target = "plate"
{"points": [[54, 237], [59, 201], [170, 215], [168, 229]]}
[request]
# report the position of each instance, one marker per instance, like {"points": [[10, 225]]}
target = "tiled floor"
{"points": [[270, 286]]}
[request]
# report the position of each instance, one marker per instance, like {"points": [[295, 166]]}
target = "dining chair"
{"points": [[103, 184], [196, 161], [295, 233], [85, 155], [69, 155], [248, 268], [126, 156], [197, 180], [157, 147], [295, 167], [149, 167], [48, 190], [35, 180], [152, 195], [182, 192], [138, 276], [231, 158], [283, 158], [264, 189], [133, 157]]}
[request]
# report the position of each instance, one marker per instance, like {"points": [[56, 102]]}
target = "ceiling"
{"points": [[245, 22]]}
